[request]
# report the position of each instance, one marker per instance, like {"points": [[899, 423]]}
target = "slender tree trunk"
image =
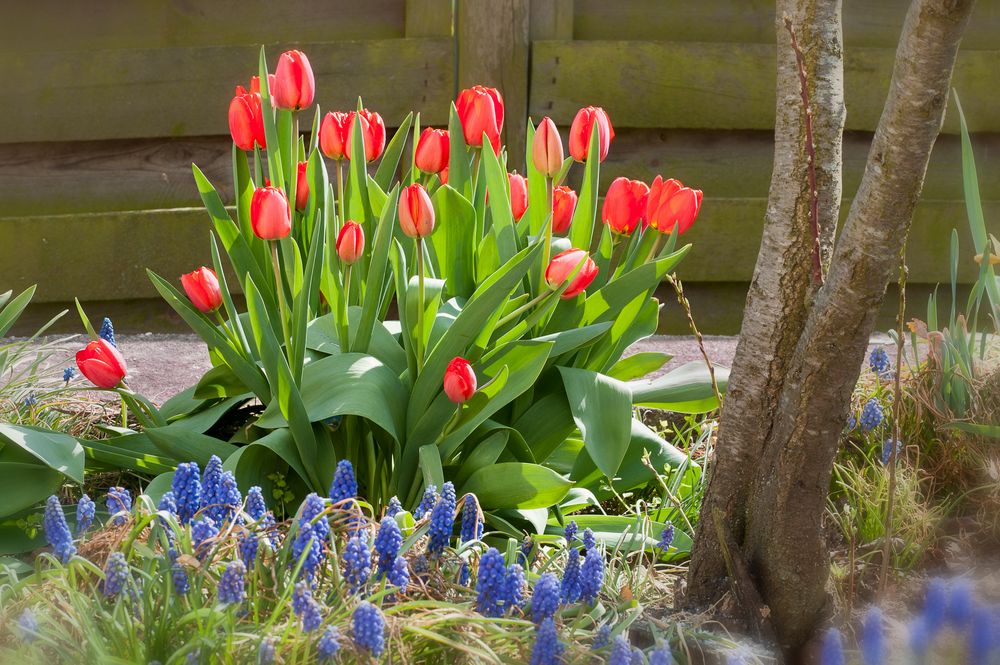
{"points": [[776, 449]]}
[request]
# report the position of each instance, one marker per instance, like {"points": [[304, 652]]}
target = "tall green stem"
{"points": [[525, 307], [420, 304], [620, 245], [345, 338], [340, 191], [657, 246], [280, 288]]}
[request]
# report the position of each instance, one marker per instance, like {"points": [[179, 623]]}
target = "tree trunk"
{"points": [[776, 448]]}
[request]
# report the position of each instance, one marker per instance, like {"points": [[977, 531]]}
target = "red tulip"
{"points": [[518, 195], [301, 187], [294, 85], [246, 119], [547, 149], [481, 111], [373, 130], [202, 287], [563, 206], [583, 124], [101, 363], [432, 150], [443, 176], [269, 214], [459, 380], [350, 242], [625, 205], [671, 204], [416, 214], [333, 134], [562, 266]]}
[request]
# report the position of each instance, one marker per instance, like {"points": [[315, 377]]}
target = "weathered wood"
{"points": [[551, 19], [866, 22], [63, 25], [186, 91], [429, 18], [722, 86], [493, 51]]}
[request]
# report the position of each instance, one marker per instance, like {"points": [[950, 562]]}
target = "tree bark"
{"points": [[776, 448]]}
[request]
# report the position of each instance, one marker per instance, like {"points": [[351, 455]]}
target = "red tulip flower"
{"points": [[547, 149], [459, 381], [480, 110], [580, 131], [432, 150], [269, 214], [416, 214], [246, 119], [518, 195], [101, 363], [301, 187], [373, 130], [443, 176], [563, 206], [564, 264], [202, 287], [294, 85], [625, 205], [333, 134], [350, 242], [671, 204]]}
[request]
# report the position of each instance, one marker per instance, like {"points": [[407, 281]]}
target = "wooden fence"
{"points": [[107, 107]]}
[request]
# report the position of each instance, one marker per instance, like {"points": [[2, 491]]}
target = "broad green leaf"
{"points": [[517, 485], [499, 202], [638, 365], [252, 463], [25, 482], [210, 413], [60, 452], [13, 309], [184, 444], [546, 424], [581, 230], [376, 274], [453, 240], [430, 465], [605, 303], [459, 170], [393, 151], [134, 452], [602, 410], [687, 389], [220, 381], [989, 431], [321, 335], [483, 454], [433, 289]]}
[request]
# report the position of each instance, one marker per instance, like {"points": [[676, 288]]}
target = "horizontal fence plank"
{"points": [[104, 255], [866, 22], [144, 93], [722, 86], [50, 25]]}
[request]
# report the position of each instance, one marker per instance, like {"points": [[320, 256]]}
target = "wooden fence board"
{"points": [[186, 91], [722, 86], [866, 22]]}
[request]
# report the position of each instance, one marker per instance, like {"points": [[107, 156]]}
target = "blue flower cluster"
{"points": [[369, 628], [307, 549], [387, 544], [357, 563], [85, 510], [232, 587], [589, 539], [107, 331], [394, 508], [427, 502], [571, 577], [119, 503], [211, 488], [116, 574], [329, 645], [345, 485], [887, 450], [591, 576], [547, 649], [490, 584], [878, 360], [442, 521], [871, 415], [186, 487], [472, 520], [305, 608], [57, 531], [265, 652], [666, 538], [545, 598], [203, 532], [569, 533]]}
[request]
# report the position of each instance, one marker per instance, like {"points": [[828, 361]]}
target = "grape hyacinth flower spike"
{"points": [[547, 649], [490, 584], [211, 488], [116, 574], [666, 538], [107, 331], [472, 521], [357, 563], [394, 507], [442, 521], [345, 485], [328, 645], [232, 587], [387, 543], [591, 576], [427, 502], [369, 628], [85, 510], [119, 503], [186, 487], [878, 361], [832, 651], [871, 415], [57, 531], [545, 597]]}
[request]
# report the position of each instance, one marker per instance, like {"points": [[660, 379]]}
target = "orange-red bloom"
{"points": [[432, 150], [269, 214], [293, 86], [481, 111], [202, 288], [333, 134], [416, 214], [459, 380], [625, 205], [671, 204], [101, 363], [301, 187], [518, 195], [246, 119], [547, 148], [562, 266], [580, 131], [563, 206], [373, 131], [350, 242]]}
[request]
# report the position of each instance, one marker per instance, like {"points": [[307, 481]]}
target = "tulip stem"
{"points": [[524, 308], [620, 245], [657, 246], [420, 305], [547, 247], [340, 189], [124, 414], [280, 288], [345, 337]]}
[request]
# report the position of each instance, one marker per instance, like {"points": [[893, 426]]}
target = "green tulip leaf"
{"points": [[517, 485], [602, 410], [60, 452], [687, 389]]}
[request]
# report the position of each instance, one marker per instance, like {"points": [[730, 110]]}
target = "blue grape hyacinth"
{"points": [[211, 487], [871, 415], [85, 510], [387, 543], [472, 522], [369, 628], [666, 538], [119, 503], [427, 502], [186, 487], [232, 586], [256, 506], [873, 638], [887, 450], [591, 576], [345, 485], [661, 656], [602, 638], [547, 649], [328, 645], [305, 607], [442, 523], [203, 531], [569, 533], [57, 531], [621, 652], [68, 374], [571, 577], [832, 651], [491, 584], [168, 503], [265, 652], [878, 360], [249, 544], [394, 507], [107, 331], [229, 499], [178, 575], [589, 539], [306, 548], [27, 626], [960, 603], [116, 574], [545, 597], [399, 574], [311, 513], [357, 563], [514, 586]]}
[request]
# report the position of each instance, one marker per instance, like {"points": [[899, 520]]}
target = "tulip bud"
{"points": [[547, 149], [101, 363], [294, 86], [583, 126], [564, 264], [269, 214], [518, 195], [350, 242], [246, 120], [373, 131], [432, 150], [416, 214], [625, 205], [563, 206], [202, 288], [480, 110], [671, 204], [301, 187], [459, 381], [333, 134]]}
